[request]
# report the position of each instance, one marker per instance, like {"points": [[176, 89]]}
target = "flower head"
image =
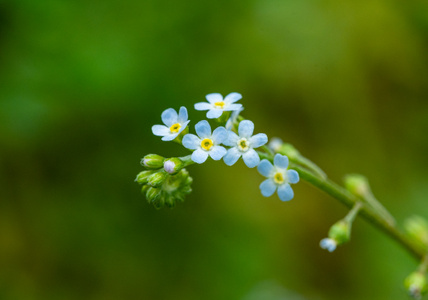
{"points": [[279, 178], [216, 104], [244, 144], [174, 124], [206, 144]]}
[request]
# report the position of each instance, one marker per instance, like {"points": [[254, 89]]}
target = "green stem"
{"points": [[367, 213], [353, 212]]}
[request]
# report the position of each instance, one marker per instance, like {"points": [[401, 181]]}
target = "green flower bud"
{"points": [[169, 201], [357, 185], [152, 161], [416, 284], [186, 190], [153, 194], [143, 176], [156, 179], [144, 188], [173, 165], [340, 232], [417, 228]]}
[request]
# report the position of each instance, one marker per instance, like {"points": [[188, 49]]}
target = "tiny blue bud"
{"points": [[416, 284]]}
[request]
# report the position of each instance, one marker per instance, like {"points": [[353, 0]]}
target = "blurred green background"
{"points": [[81, 84]]}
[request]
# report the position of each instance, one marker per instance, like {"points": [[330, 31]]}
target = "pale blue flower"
{"points": [[279, 178], [216, 104], [206, 144], [233, 118], [175, 124], [328, 244], [244, 144]]}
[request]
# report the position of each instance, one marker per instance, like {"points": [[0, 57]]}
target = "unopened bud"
{"points": [[275, 144], [153, 194], [417, 228], [152, 161], [173, 165], [416, 284], [143, 176], [289, 150], [156, 179], [357, 185], [340, 232]]}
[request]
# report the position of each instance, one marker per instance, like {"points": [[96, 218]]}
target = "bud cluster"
{"points": [[165, 181]]}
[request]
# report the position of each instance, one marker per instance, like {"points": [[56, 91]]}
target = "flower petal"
{"points": [[285, 192], [232, 97], [219, 135], [169, 117], [265, 168], [293, 176], [232, 107], [160, 130], [281, 161], [203, 106], [191, 141], [246, 129], [199, 156], [232, 156], [214, 113], [183, 126], [182, 115], [258, 140], [328, 244], [251, 158], [267, 187], [170, 137], [232, 139], [214, 97], [217, 152], [203, 129]]}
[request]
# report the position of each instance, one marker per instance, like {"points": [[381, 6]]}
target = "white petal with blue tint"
{"points": [[328, 244], [182, 115], [169, 137], [232, 97], [246, 128], [232, 107], [232, 139], [251, 158], [169, 117], [214, 97], [265, 168], [191, 141], [219, 135], [293, 176], [203, 129], [281, 161], [203, 106], [232, 156], [199, 156], [267, 187], [285, 192], [214, 113], [160, 130], [217, 152], [258, 140]]}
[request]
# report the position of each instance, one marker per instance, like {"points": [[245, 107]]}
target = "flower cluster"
{"points": [[232, 139]]}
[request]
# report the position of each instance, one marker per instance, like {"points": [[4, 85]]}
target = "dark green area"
{"points": [[81, 84]]}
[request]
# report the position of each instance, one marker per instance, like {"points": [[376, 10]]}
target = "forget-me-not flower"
{"points": [[175, 124], [243, 145], [207, 143], [279, 178], [216, 104]]}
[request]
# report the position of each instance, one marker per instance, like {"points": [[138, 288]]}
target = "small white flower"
{"points": [[244, 144], [328, 244], [216, 104], [169, 166], [206, 144], [175, 124], [279, 178]]}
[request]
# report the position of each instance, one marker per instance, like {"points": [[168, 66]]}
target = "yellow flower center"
{"points": [[206, 144], [219, 104], [175, 128], [243, 144], [278, 178]]}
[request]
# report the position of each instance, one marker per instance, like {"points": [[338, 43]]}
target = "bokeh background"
{"points": [[81, 84]]}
